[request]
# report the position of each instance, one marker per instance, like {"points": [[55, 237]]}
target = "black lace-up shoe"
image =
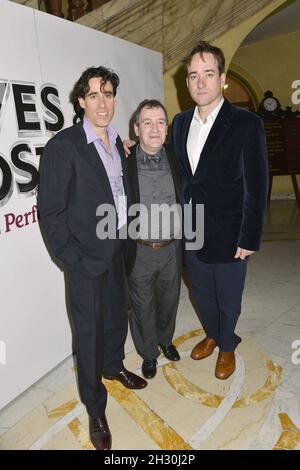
{"points": [[128, 379], [170, 352], [149, 368], [100, 435]]}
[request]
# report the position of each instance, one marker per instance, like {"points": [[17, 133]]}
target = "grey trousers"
{"points": [[154, 287]]}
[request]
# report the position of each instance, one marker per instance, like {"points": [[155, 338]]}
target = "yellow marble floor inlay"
{"points": [[63, 409], [187, 389], [154, 416], [191, 391], [181, 339], [162, 434], [290, 436], [81, 434], [267, 389]]}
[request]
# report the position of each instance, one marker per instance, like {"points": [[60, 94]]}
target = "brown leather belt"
{"points": [[156, 245]]}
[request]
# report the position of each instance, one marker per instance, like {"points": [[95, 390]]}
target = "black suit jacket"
{"points": [[135, 191], [231, 180], [73, 183]]}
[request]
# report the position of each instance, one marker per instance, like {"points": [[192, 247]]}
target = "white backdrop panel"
{"points": [[140, 70], [40, 49]]}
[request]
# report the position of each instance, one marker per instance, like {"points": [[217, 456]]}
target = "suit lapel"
{"points": [[185, 132], [134, 177], [172, 163], [217, 132], [100, 171], [124, 164], [96, 162]]}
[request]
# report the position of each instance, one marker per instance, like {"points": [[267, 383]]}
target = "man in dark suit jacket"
{"points": [[82, 168], [155, 257], [222, 155]]}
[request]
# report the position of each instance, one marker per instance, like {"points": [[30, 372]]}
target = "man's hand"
{"points": [[242, 253], [127, 144]]}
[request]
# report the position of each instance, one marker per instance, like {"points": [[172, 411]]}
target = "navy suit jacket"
{"points": [[73, 183], [231, 180]]}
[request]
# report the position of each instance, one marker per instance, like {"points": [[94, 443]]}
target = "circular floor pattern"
{"points": [[183, 407]]}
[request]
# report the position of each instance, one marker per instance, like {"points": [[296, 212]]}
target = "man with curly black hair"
{"points": [[83, 168]]}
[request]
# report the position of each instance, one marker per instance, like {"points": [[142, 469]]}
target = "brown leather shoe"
{"points": [[203, 349], [128, 379], [225, 365], [100, 435]]}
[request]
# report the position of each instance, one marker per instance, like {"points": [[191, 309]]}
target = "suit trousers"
{"points": [[99, 311], [154, 287], [217, 289]]}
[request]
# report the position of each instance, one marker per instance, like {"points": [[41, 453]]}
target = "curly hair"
{"points": [[81, 87]]}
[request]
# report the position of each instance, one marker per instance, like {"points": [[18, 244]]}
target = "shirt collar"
{"points": [[161, 153], [92, 136], [212, 116]]}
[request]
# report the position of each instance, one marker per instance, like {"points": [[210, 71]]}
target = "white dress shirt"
{"points": [[198, 134]]}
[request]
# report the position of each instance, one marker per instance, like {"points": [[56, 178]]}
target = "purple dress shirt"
{"points": [[112, 164]]}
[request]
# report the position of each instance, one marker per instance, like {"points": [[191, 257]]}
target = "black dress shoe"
{"points": [[170, 352], [149, 368], [99, 433], [128, 379]]}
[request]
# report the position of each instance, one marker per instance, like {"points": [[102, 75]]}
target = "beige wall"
{"points": [[176, 97], [272, 64]]}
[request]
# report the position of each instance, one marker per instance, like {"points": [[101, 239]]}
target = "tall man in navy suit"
{"points": [[82, 168], [222, 155]]}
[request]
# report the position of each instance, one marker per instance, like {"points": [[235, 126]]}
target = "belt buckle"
{"points": [[156, 245]]}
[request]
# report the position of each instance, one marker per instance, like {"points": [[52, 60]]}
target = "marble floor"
{"points": [[257, 408]]}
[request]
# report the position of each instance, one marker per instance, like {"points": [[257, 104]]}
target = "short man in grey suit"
{"points": [[154, 282]]}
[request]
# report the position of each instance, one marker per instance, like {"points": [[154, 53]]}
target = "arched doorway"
{"points": [[239, 91]]}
